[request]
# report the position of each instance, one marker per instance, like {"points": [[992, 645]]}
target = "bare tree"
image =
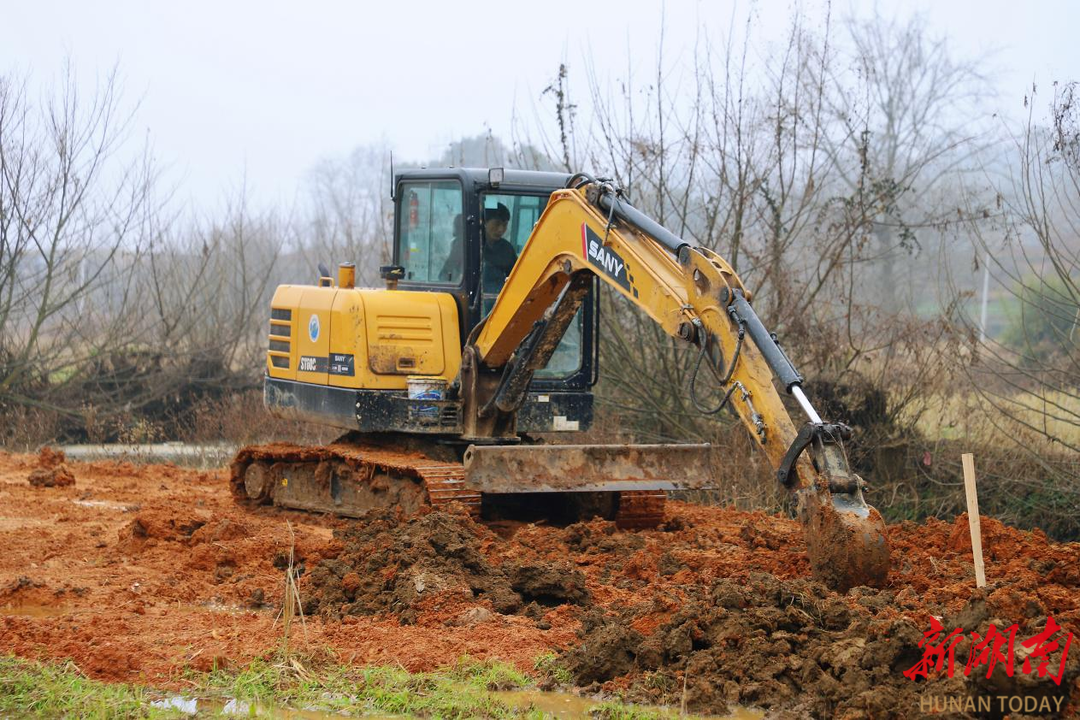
{"points": [[907, 119], [114, 314], [350, 215], [73, 205], [804, 163], [1029, 377]]}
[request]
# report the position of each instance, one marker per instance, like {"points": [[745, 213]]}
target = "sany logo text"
{"points": [[605, 259]]}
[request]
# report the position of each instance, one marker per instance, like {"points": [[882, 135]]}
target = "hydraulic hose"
{"points": [[724, 379]]}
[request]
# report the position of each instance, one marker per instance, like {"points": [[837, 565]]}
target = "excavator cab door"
{"points": [[439, 242], [524, 211]]}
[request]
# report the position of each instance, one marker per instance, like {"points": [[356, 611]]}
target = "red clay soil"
{"points": [[139, 573]]}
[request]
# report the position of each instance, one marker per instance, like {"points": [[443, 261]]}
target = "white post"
{"points": [[973, 519]]}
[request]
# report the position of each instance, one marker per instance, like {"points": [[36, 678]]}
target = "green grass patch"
{"points": [[460, 691], [61, 690], [468, 689], [549, 666]]}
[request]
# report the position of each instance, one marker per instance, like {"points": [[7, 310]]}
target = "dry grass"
{"points": [[1036, 417], [291, 608], [240, 418]]}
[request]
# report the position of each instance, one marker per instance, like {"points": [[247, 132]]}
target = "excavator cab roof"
{"points": [[480, 178]]}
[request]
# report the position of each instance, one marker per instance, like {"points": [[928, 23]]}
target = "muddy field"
{"points": [[141, 573]]}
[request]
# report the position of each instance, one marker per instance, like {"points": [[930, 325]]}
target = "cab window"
{"points": [[431, 244], [525, 211], [522, 212]]}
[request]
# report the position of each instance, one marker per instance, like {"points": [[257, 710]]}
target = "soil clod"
{"points": [[51, 470]]}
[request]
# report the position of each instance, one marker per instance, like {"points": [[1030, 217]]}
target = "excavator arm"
{"points": [[588, 230]]}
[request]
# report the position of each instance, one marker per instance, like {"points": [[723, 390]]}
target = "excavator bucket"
{"points": [[845, 539]]}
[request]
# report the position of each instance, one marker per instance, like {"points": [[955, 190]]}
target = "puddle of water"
{"points": [[34, 611], [556, 704], [560, 705], [240, 708], [567, 705], [179, 704], [741, 713], [106, 505]]}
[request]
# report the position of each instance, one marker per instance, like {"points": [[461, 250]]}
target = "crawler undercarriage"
{"points": [[358, 473]]}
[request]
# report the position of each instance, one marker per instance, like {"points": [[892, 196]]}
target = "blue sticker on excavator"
{"points": [[603, 258]]}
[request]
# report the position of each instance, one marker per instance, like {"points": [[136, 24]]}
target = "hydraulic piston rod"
{"points": [[804, 403]]}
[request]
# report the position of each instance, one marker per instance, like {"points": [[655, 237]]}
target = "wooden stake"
{"points": [[973, 518]]}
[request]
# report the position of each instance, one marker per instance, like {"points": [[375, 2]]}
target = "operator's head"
{"points": [[495, 221]]}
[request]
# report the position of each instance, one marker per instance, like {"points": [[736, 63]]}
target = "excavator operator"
{"points": [[499, 255]]}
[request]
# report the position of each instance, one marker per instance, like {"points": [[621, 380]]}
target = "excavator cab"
{"points": [[442, 244]]}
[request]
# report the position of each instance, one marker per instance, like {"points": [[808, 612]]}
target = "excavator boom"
{"points": [[588, 230]]}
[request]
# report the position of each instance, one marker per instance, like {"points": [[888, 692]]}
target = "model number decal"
{"points": [[603, 258], [310, 363], [336, 364]]}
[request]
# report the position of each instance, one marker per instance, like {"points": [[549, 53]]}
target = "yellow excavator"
{"points": [[486, 335]]}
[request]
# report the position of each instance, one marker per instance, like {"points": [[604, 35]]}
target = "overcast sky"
{"points": [[268, 88]]}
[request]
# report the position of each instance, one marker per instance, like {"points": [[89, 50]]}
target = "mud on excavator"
{"points": [[486, 334]]}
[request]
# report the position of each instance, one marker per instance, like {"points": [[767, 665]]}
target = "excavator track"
{"points": [[445, 483], [349, 478]]}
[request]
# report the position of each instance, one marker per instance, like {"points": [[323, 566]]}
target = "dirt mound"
{"points": [[609, 649], [51, 470], [763, 643], [595, 537], [796, 647], [389, 563], [151, 526], [50, 458]]}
